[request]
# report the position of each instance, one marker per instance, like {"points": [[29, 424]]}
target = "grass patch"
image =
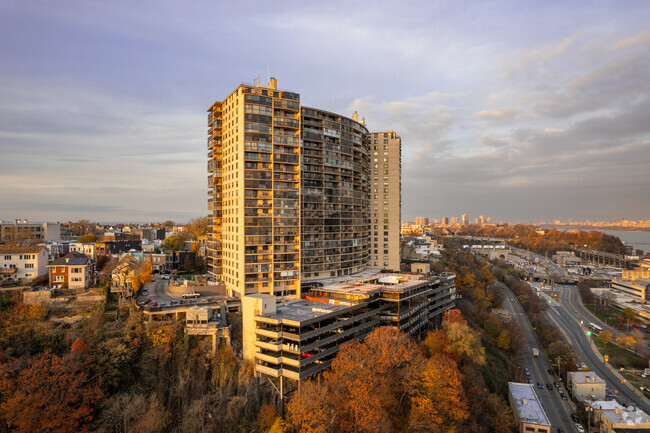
{"points": [[619, 357]]}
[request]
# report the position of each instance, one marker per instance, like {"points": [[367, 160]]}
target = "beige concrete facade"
{"points": [[290, 195], [254, 191], [586, 385], [385, 200]]}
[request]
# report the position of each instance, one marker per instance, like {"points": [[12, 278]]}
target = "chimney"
{"points": [[355, 116], [273, 83]]}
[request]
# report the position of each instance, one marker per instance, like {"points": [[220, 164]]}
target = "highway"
{"points": [[562, 315], [557, 410]]}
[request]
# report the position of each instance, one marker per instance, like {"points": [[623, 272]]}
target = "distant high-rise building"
{"points": [[290, 193], [481, 219], [465, 219], [421, 221], [488, 220], [385, 200], [445, 221], [454, 220]]}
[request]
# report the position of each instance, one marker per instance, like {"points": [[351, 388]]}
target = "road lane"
{"points": [[566, 320], [557, 410]]}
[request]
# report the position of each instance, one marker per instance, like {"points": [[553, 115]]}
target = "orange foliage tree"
{"points": [[381, 384], [52, 394]]}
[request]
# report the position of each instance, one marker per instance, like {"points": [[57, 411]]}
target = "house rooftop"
{"points": [[585, 377], [8, 249], [528, 405], [627, 417]]}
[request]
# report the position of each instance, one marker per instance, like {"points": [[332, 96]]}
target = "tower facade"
{"points": [[254, 190], [385, 200], [335, 195], [290, 193]]}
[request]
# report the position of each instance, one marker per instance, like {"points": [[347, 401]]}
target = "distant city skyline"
{"points": [[524, 112]]}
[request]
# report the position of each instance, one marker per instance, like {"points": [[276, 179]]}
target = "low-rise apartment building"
{"points": [[21, 264], [527, 409], [74, 271], [23, 230], [624, 421], [586, 385], [299, 338], [639, 289], [87, 249]]}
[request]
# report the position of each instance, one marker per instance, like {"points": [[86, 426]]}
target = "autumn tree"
{"points": [[173, 243], [605, 337], [197, 227], [143, 278], [87, 238], [463, 340], [53, 394], [437, 397], [503, 341], [638, 338]]}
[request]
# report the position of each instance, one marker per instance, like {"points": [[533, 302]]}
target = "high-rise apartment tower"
{"points": [[290, 193], [385, 200]]}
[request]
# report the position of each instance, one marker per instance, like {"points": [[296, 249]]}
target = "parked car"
{"points": [[191, 294], [530, 381], [560, 430], [165, 276], [563, 396], [144, 292], [526, 372], [549, 387], [580, 428], [551, 372], [560, 390], [574, 417], [556, 383], [540, 385]]}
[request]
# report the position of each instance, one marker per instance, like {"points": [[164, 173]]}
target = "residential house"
{"points": [[21, 264], [586, 385], [74, 271]]}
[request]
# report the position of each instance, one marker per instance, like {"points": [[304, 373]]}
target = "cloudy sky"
{"points": [[522, 111]]}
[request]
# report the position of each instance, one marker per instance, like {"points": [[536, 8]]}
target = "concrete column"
{"points": [[214, 343]]}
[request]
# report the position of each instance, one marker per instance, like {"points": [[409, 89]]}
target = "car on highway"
{"points": [[549, 387], [560, 430], [526, 372], [580, 428], [540, 385]]}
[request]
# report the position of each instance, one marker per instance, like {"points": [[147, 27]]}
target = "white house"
{"points": [[22, 264]]}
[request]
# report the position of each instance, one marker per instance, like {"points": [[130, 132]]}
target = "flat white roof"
{"points": [[528, 405], [585, 377]]}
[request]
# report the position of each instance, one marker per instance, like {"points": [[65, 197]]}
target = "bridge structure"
{"points": [[605, 259]]}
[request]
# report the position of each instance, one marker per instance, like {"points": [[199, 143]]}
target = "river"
{"points": [[638, 240]]}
